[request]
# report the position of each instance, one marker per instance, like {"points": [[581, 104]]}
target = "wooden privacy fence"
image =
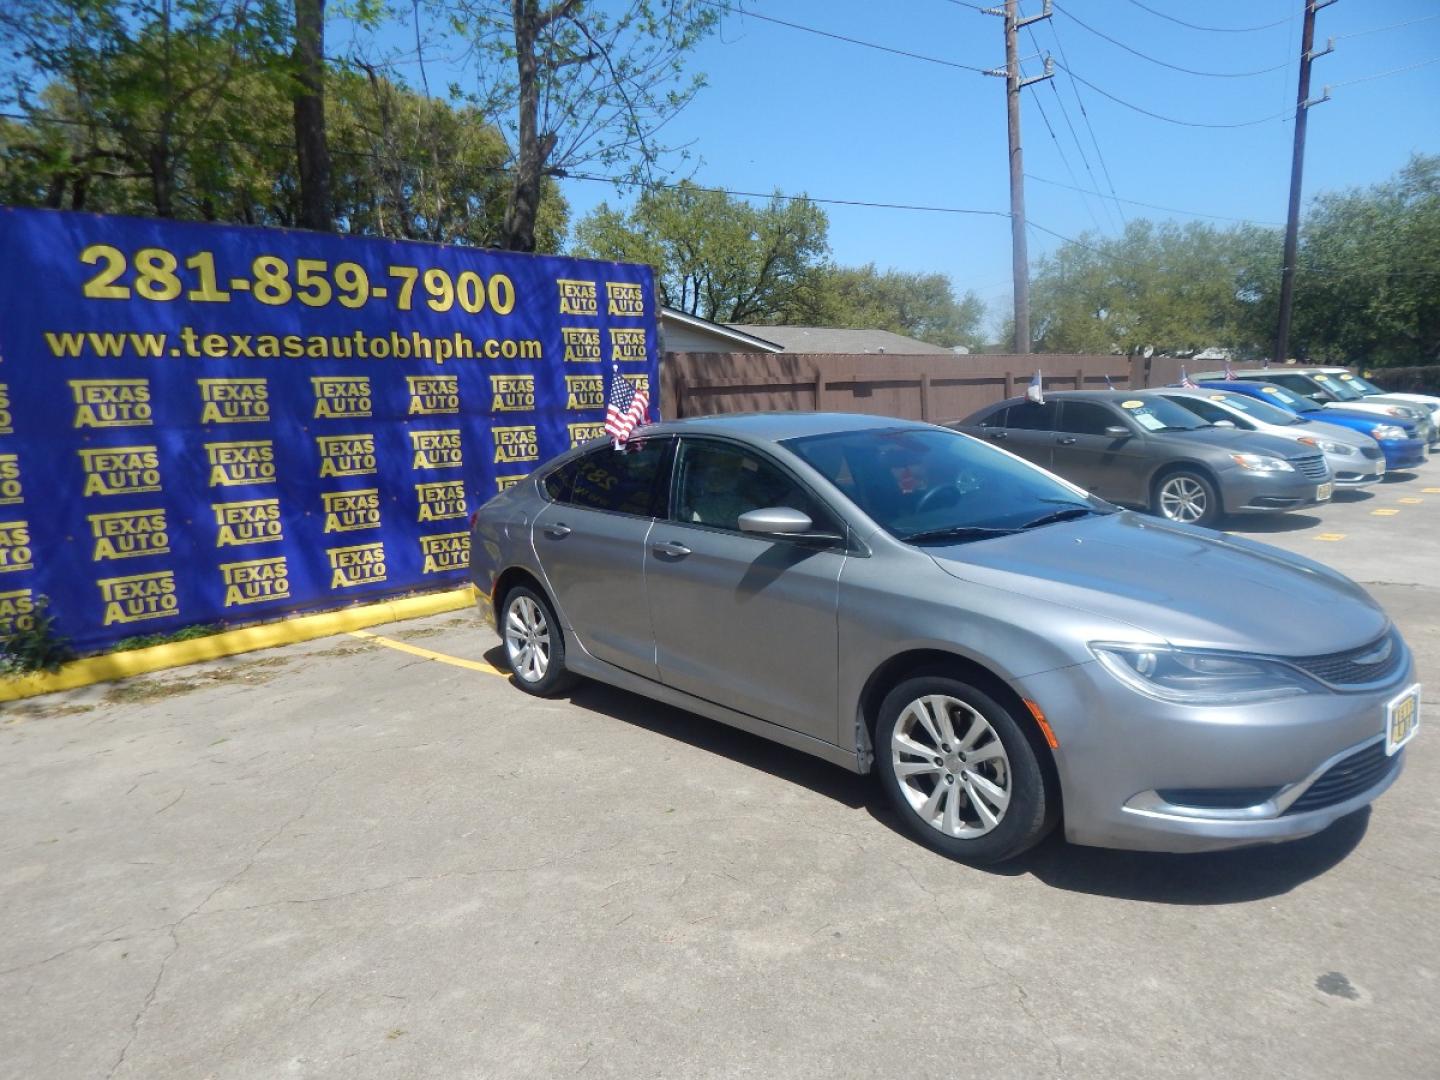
{"points": [[935, 387]]}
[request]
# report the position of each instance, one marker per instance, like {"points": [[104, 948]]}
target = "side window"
{"points": [[1086, 418], [622, 481], [1033, 417], [1298, 383], [716, 483], [995, 419]]}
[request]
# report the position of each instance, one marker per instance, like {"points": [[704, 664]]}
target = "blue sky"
{"points": [[802, 113]]}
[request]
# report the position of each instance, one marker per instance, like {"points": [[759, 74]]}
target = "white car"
{"points": [[1354, 457], [1373, 394]]}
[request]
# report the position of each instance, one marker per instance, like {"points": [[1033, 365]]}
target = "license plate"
{"points": [[1402, 719], [1380, 468], [1323, 492]]}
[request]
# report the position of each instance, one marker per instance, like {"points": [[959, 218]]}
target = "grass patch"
{"points": [[185, 633]]}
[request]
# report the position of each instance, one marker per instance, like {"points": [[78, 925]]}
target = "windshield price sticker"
{"points": [[1132, 404], [1269, 390]]}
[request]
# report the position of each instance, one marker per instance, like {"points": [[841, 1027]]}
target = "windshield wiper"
{"points": [[1069, 514], [959, 533]]}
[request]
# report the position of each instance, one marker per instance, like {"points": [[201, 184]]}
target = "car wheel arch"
{"points": [[513, 576], [1186, 465], [919, 662]]}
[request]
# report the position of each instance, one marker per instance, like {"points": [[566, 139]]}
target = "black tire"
{"points": [[1033, 802], [536, 626], [1180, 490]]}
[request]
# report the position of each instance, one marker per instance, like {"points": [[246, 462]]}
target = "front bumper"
{"points": [[1356, 470], [1403, 453], [1244, 492], [1121, 754]]}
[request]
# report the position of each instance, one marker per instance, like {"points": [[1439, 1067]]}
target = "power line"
{"points": [[1165, 63], [848, 40], [1384, 74], [1156, 206], [1172, 119], [1213, 29], [1381, 29], [1084, 158], [1085, 115]]}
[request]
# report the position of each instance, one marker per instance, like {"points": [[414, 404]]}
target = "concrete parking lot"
{"points": [[372, 857]]}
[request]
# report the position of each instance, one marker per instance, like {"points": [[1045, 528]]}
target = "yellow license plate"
{"points": [[1402, 719]]}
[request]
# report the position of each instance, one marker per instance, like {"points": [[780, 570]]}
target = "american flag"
{"points": [[627, 408], [1108, 384], [1230, 375], [1035, 392], [1185, 380]]}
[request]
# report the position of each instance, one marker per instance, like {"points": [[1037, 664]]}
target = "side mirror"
{"points": [[782, 521], [1225, 423], [1116, 431], [1320, 395]]}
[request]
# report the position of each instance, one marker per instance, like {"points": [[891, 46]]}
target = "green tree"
{"points": [[1368, 277], [915, 304], [593, 83], [716, 256]]}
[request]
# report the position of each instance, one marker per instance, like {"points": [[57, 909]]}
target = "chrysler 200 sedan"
{"points": [[1002, 649]]}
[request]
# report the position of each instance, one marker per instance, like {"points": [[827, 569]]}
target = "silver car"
{"points": [[1355, 459], [1002, 649]]}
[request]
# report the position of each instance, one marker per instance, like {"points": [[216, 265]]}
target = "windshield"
{"points": [[1254, 407], [1342, 390], [1365, 386], [933, 485], [1286, 399]]}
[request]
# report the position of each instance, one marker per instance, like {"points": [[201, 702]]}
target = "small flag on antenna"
{"points": [[1035, 392], [1185, 380]]}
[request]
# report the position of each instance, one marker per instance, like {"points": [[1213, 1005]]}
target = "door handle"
{"points": [[998, 435], [558, 531], [1066, 440], [667, 547]]}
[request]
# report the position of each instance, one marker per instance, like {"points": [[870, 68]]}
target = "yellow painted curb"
{"points": [[122, 665]]}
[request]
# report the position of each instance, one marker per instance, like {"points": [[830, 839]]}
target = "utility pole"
{"points": [[1019, 256], [1297, 169]]}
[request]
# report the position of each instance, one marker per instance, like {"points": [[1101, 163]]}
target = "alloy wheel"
{"points": [[1183, 499], [527, 639], [951, 766]]}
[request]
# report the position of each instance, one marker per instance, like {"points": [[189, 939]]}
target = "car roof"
{"points": [[1069, 395], [778, 426]]}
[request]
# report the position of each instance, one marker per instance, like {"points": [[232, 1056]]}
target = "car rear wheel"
{"points": [[1187, 497], [534, 643], [961, 772]]}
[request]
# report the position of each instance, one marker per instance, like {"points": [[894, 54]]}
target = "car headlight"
{"points": [[1395, 410], [1197, 677], [1388, 431], [1338, 449], [1262, 463]]}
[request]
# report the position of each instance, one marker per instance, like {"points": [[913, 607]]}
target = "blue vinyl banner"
{"points": [[202, 424]]}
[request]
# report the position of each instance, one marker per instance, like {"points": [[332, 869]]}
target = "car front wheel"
{"points": [[961, 772], [534, 643], [1187, 497]]}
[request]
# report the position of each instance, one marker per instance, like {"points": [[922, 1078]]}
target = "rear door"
{"points": [[1030, 429], [590, 542]]}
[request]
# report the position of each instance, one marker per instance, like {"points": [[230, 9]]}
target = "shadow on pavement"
{"points": [[1399, 476], [1227, 877], [1353, 495], [1270, 523]]}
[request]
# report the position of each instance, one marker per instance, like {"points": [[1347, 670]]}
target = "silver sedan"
{"points": [[1003, 650]]}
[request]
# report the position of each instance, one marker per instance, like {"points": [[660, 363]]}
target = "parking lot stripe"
{"points": [[1431, 491], [1411, 500], [1329, 536], [1385, 513], [430, 654]]}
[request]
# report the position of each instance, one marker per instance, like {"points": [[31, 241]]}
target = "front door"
{"points": [[745, 621], [1106, 465]]}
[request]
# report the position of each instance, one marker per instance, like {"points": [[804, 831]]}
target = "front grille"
{"points": [[1347, 778], [1372, 453], [1345, 669], [1312, 467]]}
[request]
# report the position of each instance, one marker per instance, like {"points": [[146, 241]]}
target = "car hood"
{"points": [[1235, 440], [1330, 414], [1189, 586]]}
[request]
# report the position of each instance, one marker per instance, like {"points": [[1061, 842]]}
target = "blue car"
{"points": [[1398, 438]]}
